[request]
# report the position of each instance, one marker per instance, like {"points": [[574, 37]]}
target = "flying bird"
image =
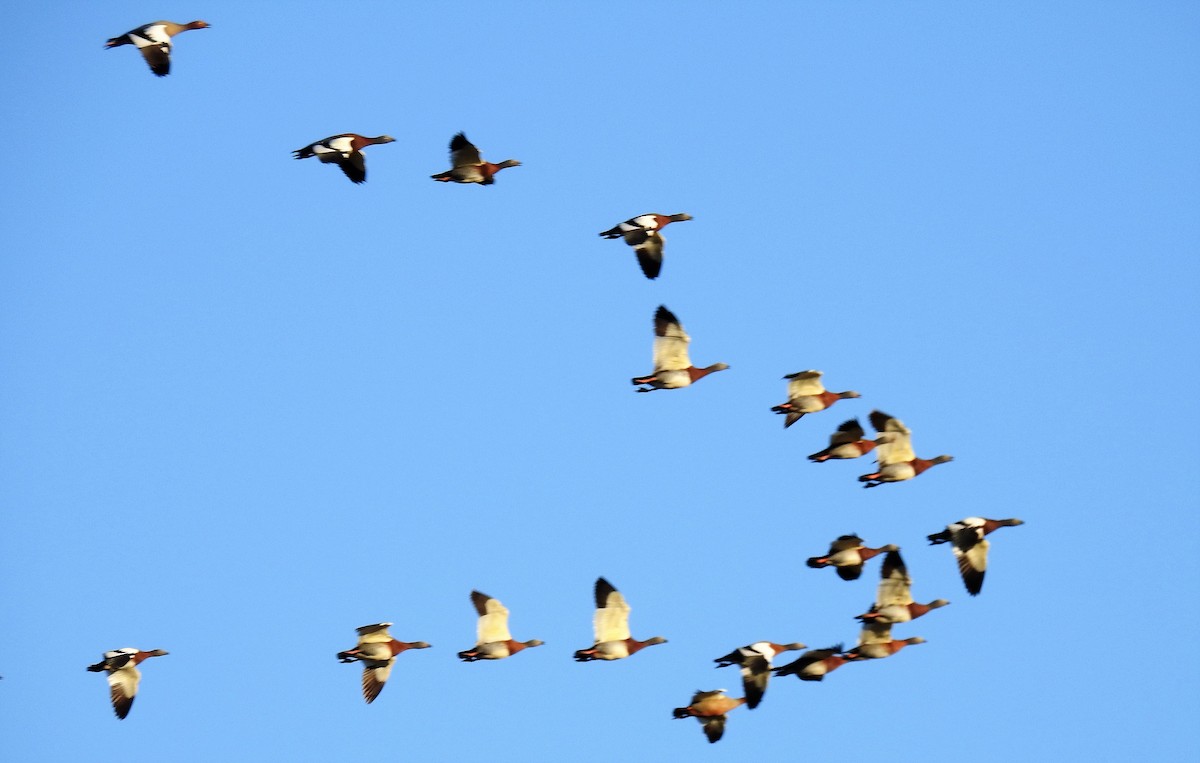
{"points": [[610, 626], [971, 547], [893, 600], [376, 650], [875, 642], [755, 662], [894, 453], [672, 368], [806, 394], [123, 675], [493, 641], [153, 40], [847, 442], [345, 151], [710, 707], [848, 555], [467, 166], [814, 664], [643, 234]]}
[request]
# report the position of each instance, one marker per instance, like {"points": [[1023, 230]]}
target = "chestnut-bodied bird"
{"points": [[123, 675], [610, 625], [806, 394], [875, 642], [847, 442], [345, 151], [672, 368], [710, 707], [894, 453], [755, 661], [893, 600], [493, 641], [970, 546], [814, 664], [153, 40], [467, 166], [642, 233], [848, 555], [376, 650]]}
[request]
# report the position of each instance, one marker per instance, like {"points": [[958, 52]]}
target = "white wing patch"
{"points": [[152, 35], [494, 625], [671, 351], [611, 622], [806, 384]]}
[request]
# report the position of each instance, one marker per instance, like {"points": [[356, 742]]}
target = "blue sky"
{"points": [[247, 406]]}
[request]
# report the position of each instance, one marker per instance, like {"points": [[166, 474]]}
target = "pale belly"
{"points": [[897, 472], [846, 558], [808, 404], [612, 650], [894, 614], [494, 651], [845, 451], [673, 379]]}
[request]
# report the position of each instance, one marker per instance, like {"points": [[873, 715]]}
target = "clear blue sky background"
{"points": [[247, 406]]}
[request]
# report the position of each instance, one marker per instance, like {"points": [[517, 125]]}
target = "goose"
{"points": [[848, 555], [814, 664], [493, 641], [847, 442], [710, 707], [643, 234], [123, 675], [755, 661], [875, 642], [376, 650], [672, 368], [610, 625], [153, 40], [467, 166], [893, 601], [806, 394], [345, 151], [894, 453], [971, 547]]}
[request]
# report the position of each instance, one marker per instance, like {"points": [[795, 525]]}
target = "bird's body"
{"points": [[153, 41], [806, 394], [345, 151], [610, 627], [673, 368], [814, 664], [875, 642], [377, 651], [123, 675], [847, 442], [893, 600], [644, 234], [971, 546], [710, 708], [493, 639], [467, 166], [847, 554], [894, 454], [755, 661]]}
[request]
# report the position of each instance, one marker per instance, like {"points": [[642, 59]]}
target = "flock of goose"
{"points": [[377, 650]]}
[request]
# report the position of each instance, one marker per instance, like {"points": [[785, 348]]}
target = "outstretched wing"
{"points": [[804, 384], [895, 586], [611, 622], [670, 342], [463, 152], [850, 431], [493, 619]]}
